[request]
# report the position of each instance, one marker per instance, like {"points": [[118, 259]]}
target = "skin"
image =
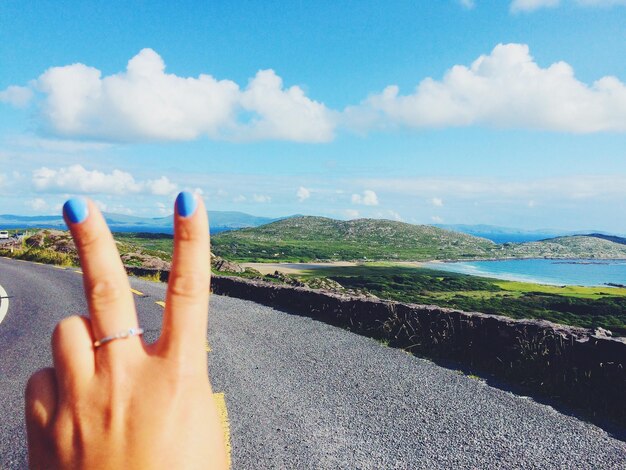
{"points": [[127, 404]]}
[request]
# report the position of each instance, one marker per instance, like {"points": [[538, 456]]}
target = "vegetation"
{"points": [[304, 239], [312, 238], [588, 307]]}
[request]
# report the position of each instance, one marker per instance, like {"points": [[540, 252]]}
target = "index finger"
{"points": [[187, 301], [111, 306]]}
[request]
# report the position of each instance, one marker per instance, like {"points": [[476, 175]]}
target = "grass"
{"points": [[588, 307], [40, 256], [568, 291]]}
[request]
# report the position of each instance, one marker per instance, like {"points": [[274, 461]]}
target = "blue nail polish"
{"points": [[186, 204], [76, 210]]}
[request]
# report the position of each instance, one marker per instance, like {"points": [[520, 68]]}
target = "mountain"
{"points": [[317, 238], [611, 238], [500, 234], [220, 222], [311, 238]]}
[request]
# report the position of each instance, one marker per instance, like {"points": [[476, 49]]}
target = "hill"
{"points": [[220, 222], [316, 238], [319, 238]]}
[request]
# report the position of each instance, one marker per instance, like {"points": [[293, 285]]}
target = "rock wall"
{"points": [[573, 365]]}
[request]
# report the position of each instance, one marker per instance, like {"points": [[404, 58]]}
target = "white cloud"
{"points": [[17, 96], [239, 198], [437, 202], [531, 5], [368, 198], [469, 4], [161, 187], [38, 204], [284, 114], [77, 179], [506, 88], [144, 103], [303, 193], [531, 203], [351, 214], [436, 219], [261, 198]]}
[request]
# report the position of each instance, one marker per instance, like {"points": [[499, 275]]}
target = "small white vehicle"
{"points": [[4, 234]]}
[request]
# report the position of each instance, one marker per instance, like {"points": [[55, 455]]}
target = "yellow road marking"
{"points": [[162, 304], [136, 292], [37, 262], [207, 346], [79, 272], [59, 267], [220, 402]]}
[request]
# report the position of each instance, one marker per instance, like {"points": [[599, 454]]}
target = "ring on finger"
{"points": [[119, 335]]}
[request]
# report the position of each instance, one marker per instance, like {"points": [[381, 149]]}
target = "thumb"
{"points": [[41, 405]]}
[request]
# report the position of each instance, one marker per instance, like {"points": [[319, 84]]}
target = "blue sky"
{"points": [[506, 113]]}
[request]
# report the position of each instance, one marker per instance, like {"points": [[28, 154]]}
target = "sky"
{"points": [[510, 113]]}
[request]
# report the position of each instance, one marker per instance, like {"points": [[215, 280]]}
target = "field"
{"points": [[589, 307]]}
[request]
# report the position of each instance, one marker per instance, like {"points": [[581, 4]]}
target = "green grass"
{"points": [[154, 244], [569, 291], [587, 307], [41, 256]]}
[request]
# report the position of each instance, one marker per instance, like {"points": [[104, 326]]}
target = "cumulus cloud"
{"points": [[437, 202], [469, 4], [144, 103], [368, 198], [17, 96], [303, 193], [436, 219], [78, 180], [506, 88], [351, 214]]}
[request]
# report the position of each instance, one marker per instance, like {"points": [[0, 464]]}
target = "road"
{"points": [[303, 394]]}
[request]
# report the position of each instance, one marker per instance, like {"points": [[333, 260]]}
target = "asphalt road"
{"points": [[302, 394]]}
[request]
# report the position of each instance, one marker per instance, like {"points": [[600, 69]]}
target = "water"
{"points": [[544, 271]]}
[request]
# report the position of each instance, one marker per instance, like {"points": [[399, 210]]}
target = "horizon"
{"points": [[457, 113], [451, 226]]}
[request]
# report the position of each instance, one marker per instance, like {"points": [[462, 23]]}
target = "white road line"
{"points": [[4, 303]]}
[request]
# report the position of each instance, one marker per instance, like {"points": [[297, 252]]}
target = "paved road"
{"points": [[302, 394]]}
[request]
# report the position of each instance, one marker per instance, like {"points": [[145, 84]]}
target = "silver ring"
{"points": [[119, 335]]}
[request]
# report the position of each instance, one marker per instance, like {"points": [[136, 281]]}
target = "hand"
{"points": [[125, 404]]}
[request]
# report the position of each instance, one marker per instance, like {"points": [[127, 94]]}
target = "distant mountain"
{"points": [[500, 234], [220, 221], [318, 238]]}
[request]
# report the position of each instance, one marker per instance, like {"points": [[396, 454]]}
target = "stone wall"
{"points": [[574, 365]]}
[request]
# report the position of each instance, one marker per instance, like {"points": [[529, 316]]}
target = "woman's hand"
{"points": [[125, 404]]}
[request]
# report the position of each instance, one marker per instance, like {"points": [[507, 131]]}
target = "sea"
{"points": [[578, 272]]}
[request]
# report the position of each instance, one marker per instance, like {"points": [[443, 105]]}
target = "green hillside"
{"points": [[302, 239], [319, 238]]}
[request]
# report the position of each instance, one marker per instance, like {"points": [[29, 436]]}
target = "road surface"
{"points": [[303, 394]]}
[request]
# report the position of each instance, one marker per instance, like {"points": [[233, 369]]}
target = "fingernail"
{"points": [[186, 204], [76, 209]]}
